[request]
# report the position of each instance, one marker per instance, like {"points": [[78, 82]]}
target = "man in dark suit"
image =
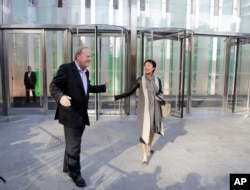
{"points": [[70, 88], [30, 82]]}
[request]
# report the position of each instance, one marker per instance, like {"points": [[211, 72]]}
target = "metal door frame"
{"points": [[239, 42], [176, 35], [239, 37], [97, 31], [8, 110]]}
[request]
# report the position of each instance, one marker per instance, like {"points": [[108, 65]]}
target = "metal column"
{"points": [[226, 76], [130, 105], [189, 82]]}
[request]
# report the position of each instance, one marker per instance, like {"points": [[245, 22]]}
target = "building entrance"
{"points": [[24, 48], [168, 47], [197, 69], [108, 62], [44, 50]]}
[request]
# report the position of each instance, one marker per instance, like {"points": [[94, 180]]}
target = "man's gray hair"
{"points": [[79, 50]]}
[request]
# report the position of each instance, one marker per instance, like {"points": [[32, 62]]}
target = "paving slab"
{"points": [[198, 152]]}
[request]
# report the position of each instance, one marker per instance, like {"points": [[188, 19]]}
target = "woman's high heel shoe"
{"points": [[145, 163], [144, 160], [151, 151]]}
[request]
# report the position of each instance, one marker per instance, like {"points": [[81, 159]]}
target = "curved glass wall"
{"points": [[242, 78], [23, 48], [108, 61], [54, 58], [208, 71], [170, 49]]}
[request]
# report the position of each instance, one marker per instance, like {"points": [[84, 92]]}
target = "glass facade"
{"points": [[71, 12], [201, 16]]}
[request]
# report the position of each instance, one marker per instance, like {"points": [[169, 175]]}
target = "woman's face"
{"points": [[148, 68]]}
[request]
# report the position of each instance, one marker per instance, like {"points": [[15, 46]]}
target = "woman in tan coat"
{"points": [[148, 110]]}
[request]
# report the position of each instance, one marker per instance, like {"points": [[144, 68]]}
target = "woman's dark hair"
{"points": [[150, 61]]}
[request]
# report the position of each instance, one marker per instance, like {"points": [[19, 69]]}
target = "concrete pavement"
{"points": [[197, 152]]}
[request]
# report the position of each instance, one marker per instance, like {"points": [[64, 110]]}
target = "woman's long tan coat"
{"points": [[143, 108]]}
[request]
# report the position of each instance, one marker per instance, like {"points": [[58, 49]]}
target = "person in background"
{"points": [[30, 82], [148, 110], [70, 88]]}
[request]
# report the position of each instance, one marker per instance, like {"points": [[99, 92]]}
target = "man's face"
{"points": [[83, 59]]}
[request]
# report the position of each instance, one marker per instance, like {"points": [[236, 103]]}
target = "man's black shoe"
{"points": [[79, 181], [65, 170]]}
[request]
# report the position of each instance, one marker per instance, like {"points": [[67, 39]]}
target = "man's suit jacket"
{"points": [[29, 82], [68, 82]]}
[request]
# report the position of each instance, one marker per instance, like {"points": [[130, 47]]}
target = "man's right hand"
{"points": [[65, 101]]}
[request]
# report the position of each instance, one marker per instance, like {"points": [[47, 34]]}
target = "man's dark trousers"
{"points": [[73, 137]]}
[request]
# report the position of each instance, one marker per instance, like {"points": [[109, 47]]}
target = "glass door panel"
{"points": [[112, 67], [107, 63], [242, 91], [168, 53], [54, 58], [231, 74], [208, 72], [24, 48], [89, 41], [174, 77]]}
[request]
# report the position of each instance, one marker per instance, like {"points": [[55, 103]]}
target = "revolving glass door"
{"points": [[108, 62], [168, 48], [24, 48]]}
